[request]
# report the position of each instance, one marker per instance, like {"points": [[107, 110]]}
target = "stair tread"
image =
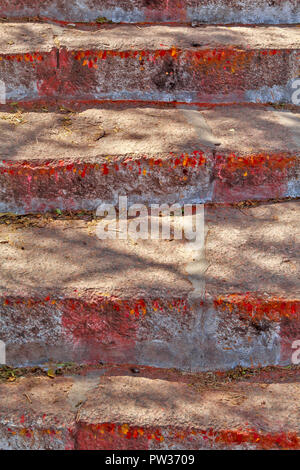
{"points": [[74, 160], [25, 38], [251, 249], [38, 37], [177, 405], [136, 131], [166, 37], [110, 408], [119, 131]]}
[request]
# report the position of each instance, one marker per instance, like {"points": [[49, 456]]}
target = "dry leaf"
{"points": [[51, 374]]}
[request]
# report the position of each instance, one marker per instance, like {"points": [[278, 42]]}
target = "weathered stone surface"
{"points": [[133, 11], [159, 414], [109, 409], [67, 295], [77, 160], [211, 64], [35, 414]]}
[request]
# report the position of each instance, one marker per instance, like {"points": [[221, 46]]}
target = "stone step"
{"points": [[67, 295], [210, 64], [110, 408], [77, 160], [152, 11]]}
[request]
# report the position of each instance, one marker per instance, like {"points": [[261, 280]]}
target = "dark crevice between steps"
{"points": [[271, 373], [56, 104], [106, 23], [88, 215], [57, 58]]}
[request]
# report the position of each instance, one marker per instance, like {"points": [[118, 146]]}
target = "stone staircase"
{"points": [[129, 343]]}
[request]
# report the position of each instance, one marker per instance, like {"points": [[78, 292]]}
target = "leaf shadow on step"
{"points": [[95, 133], [255, 249], [222, 409]]}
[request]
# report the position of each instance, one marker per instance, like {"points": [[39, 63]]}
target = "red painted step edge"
{"points": [[116, 330]]}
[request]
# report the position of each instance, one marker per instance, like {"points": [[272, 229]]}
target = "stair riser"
{"points": [[107, 436], [208, 11], [162, 333], [207, 76], [124, 437], [20, 437], [114, 436], [195, 178]]}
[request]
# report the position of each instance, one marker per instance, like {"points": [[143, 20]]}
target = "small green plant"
{"points": [[102, 20]]}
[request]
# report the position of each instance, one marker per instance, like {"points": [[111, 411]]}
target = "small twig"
{"points": [[28, 398], [78, 406]]}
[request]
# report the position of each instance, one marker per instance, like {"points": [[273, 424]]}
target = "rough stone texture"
{"points": [[109, 409], [68, 295], [164, 37], [160, 63], [173, 414], [249, 163], [98, 133], [76, 161], [17, 38], [65, 295], [36, 415], [208, 11], [270, 232]]}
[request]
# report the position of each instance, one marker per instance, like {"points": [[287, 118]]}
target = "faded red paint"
{"points": [[285, 312], [223, 59], [90, 328], [99, 327], [58, 168], [37, 68], [267, 441], [165, 10], [243, 169], [111, 436], [31, 433], [230, 58], [250, 306], [32, 436], [137, 308], [106, 322], [115, 436], [195, 159], [254, 176], [107, 436], [253, 163], [33, 57], [83, 104], [26, 179], [233, 178], [53, 73]]}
